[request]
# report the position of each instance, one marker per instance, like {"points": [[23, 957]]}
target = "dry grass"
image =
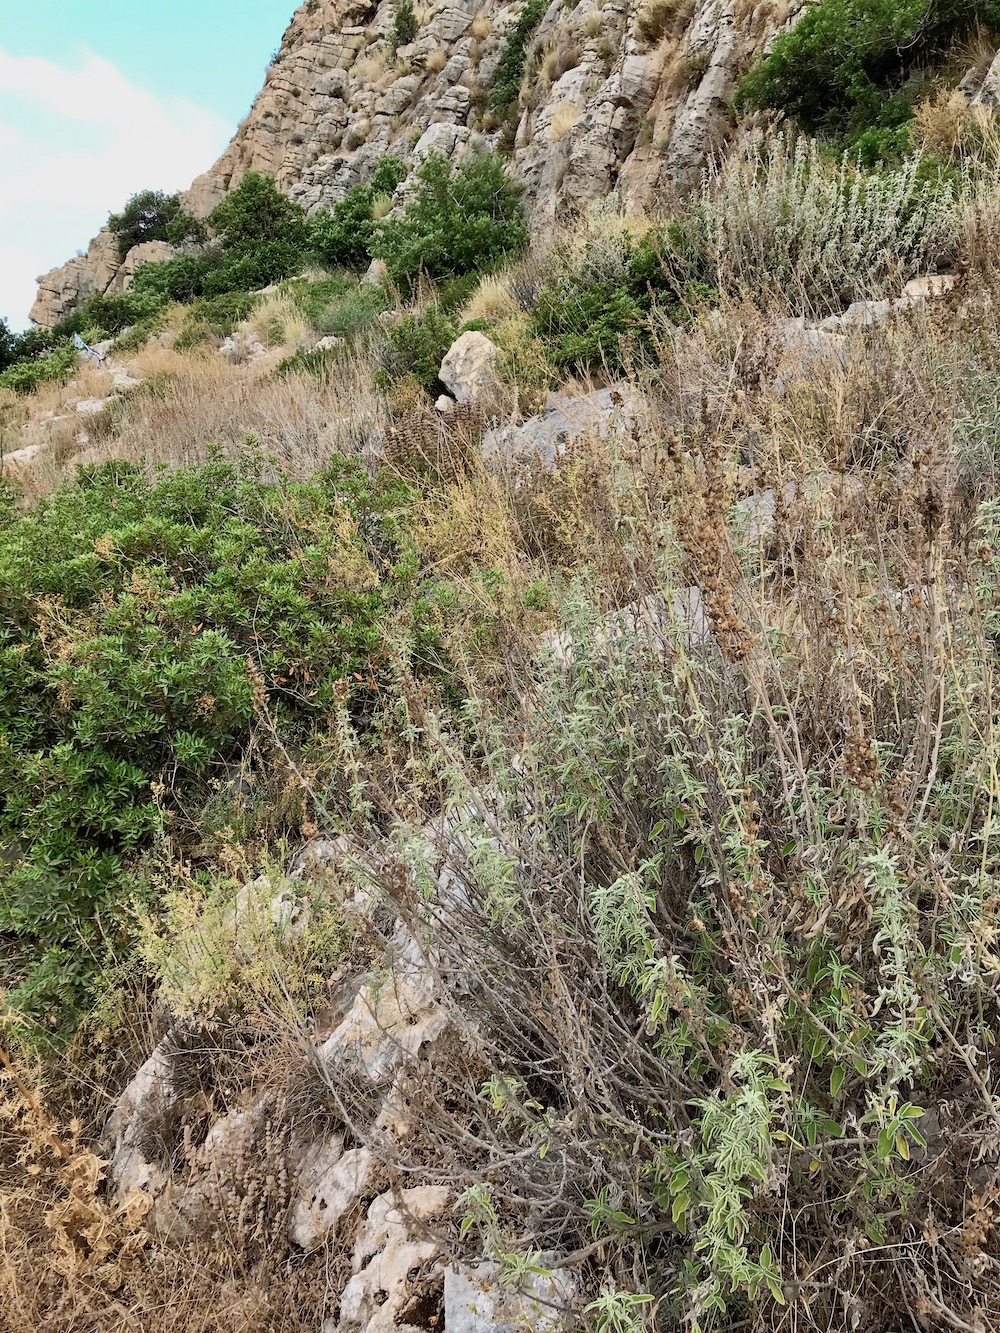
{"points": [[481, 27], [656, 18], [564, 117], [278, 321], [563, 53], [190, 403], [947, 126], [491, 301], [435, 62], [371, 67]]}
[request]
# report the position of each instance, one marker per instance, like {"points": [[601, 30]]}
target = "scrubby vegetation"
{"points": [[856, 69], [145, 628], [668, 754]]}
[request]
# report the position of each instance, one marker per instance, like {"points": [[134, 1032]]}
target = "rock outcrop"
{"points": [[63, 290]]}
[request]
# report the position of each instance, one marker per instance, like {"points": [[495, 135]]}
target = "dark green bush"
{"points": [[595, 314], [148, 216], [837, 68], [9, 346], [342, 236], [464, 219], [510, 71], [129, 612], [215, 317], [416, 346], [179, 279], [106, 316], [315, 361], [584, 325], [247, 270], [257, 213], [25, 376], [404, 24]]}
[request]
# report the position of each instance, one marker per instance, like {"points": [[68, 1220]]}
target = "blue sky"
{"points": [[101, 98]]}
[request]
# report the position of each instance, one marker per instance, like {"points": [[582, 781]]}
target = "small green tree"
{"points": [[342, 236], [464, 219], [404, 25], [256, 213], [262, 233], [147, 216]]}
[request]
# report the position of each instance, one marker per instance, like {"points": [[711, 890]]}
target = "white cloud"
{"points": [[75, 142]]}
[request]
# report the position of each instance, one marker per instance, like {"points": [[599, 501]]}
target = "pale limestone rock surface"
{"points": [[149, 252], [476, 1300], [467, 369], [63, 290], [391, 1248]]}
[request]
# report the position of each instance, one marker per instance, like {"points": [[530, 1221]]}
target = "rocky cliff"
{"points": [[615, 97]]}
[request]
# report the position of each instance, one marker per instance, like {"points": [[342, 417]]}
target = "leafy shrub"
{"points": [[129, 612], [262, 236], [457, 220], [833, 68], [510, 70], [247, 270], [108, 315], [147, 216], [416, 346], [593, 315], [342, 236], [9, 346], [257, 213], [25, 376], [179, 279], [404, 24], [585, 324]]}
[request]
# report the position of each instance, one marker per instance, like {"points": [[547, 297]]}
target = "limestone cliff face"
{"points": [[617, 96]]}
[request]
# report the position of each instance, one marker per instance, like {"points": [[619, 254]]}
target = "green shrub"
{"points": [[179, 279], [247, 270], [9, 346], [215, 317], [108, 315], [585, 325], [833, 69], [510, 71], [342, 236], [129, 612], [315, 361], [148, 216], [463, 219], [257, 213], [25, 376], [594, 315], [416, 346], [404, 25], [262, 236]]}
